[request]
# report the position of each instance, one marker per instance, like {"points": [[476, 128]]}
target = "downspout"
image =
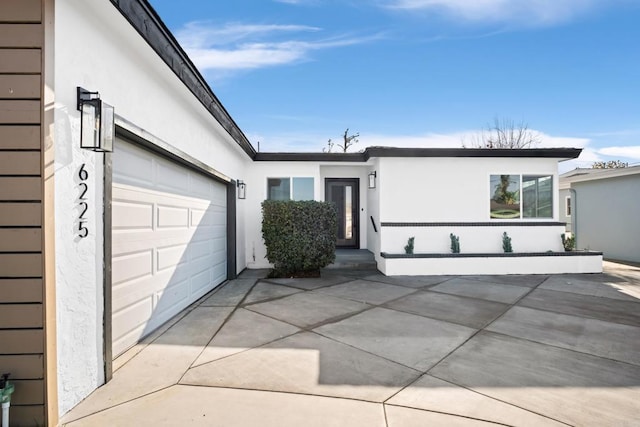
{"points": [[574, 216]]}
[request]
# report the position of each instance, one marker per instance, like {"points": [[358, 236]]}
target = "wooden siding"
{"points": [[24, 345]]}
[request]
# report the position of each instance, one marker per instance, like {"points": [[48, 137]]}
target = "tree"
{"points": [[611, 164], [347, 141], [505, 133]]}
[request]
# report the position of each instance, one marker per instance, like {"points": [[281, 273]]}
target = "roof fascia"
{"points": [[148, 24]]}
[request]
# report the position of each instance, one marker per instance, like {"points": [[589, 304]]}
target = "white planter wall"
{"points": [[492, 265]]}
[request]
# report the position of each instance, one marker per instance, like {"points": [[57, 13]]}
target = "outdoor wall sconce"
{"points": [[97, 121], [242, 190], [372, 179]]}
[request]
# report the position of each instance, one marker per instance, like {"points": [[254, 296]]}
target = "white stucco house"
{"points": [[99, 249], [601, 208]]}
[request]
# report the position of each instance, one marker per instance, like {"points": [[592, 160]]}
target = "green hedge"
{"points": [[299, 235]]}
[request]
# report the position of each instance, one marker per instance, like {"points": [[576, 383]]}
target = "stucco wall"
{"points": [[373, 206], [256, 179], [97, 49], [607, 216], [563, 217], [449, 189], [457, 190]]}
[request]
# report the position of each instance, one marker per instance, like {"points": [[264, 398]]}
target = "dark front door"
{"points": [[343, 192]]}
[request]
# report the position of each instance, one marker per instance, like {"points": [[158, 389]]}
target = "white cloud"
{"points": [[522, 12], [242, 46], [630, 152]]}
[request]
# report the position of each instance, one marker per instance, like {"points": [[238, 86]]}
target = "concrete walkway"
{"points": [[356, 348]]}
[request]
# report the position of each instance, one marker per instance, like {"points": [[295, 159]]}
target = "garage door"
{"points": [[168, 241]]}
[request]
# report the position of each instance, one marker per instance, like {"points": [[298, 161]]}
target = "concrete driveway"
{"points": [[356, 348]]}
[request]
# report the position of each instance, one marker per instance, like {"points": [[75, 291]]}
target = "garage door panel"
{"points": [[219, 272], [132, 317], [167, 299], [130, 266], [199, 249], [201, 281], [128, 339], [172, 177], [132, 168], [134, 241], [214, 215], [172, 217], [201, 186], [218, 257], [131, 292], [132, 216], [171, 257], [168, 241]]}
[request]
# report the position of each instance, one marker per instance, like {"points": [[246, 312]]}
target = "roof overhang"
{"points": [[551, 153]]}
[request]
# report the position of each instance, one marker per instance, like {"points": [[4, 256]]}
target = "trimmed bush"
{"points": [[506, 243], [300, 236], [408, 249], [455, 243]]}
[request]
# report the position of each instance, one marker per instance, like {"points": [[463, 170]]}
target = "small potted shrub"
{"points": [[506, 243], [408, 249], [569, 242], [455, 243]]}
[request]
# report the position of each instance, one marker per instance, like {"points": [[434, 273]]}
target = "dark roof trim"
{"points": [[310, 157], [554, 153], [146, 21]]}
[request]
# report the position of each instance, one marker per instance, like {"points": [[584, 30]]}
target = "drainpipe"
{"points": [[6, 390], [574, 216]]}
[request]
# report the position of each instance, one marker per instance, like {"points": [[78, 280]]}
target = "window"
{"points": [[537, 196], [505, 196], [521, 196], [290, 188], [567, 206]]}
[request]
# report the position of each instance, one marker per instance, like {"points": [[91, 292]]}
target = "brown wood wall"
{"points": [[22, 281]]}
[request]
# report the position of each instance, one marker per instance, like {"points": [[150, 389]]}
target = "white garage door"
{"points": [[168, 241]]}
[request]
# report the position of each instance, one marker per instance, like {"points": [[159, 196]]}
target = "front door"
{"points": [[343, 193]]}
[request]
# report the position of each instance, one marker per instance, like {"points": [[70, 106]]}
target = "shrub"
{"points": [[506, 243], [300, 236], [455, 243], [569, 242], [408, 249]]}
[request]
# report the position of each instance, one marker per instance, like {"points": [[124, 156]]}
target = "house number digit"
{"points": [[84, 206]]}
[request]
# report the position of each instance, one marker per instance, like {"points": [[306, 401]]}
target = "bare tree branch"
{"points": [[504, 133], [348, 141]]}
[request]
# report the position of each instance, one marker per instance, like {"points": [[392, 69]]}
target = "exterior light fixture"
{"points": [[242, 190], [97, 121], [372, 179]]}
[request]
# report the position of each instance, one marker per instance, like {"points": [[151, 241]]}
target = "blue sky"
{"points": [[427, 73]]}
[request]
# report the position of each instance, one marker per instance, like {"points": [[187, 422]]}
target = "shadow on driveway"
{"points": [[360, 349]]}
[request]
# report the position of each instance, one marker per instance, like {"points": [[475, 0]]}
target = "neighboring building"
{"points": [[604, 210], [97, 250]]}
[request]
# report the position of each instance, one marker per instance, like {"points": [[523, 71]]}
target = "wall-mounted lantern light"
{"points": [[97, 121], [372, 179], [242, 190]]}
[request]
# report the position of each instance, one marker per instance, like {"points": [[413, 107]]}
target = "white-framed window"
{"points": [[287, 188], [521, 196], [567, 205]]}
